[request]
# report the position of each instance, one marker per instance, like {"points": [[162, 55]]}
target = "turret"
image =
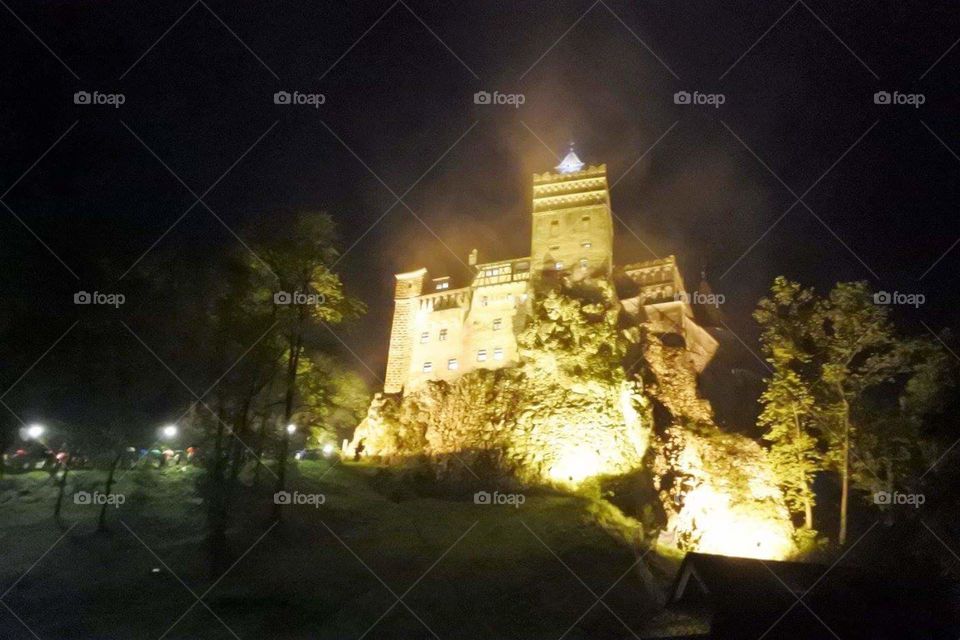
{"points": [[408, 288]]}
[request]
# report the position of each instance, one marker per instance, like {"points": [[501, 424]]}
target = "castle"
{"points": [[441, 331]]}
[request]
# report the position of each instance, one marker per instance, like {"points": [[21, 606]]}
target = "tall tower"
{"points": [[408, 289], [572, 227]]}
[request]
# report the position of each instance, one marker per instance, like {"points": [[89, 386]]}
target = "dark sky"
{"points": [[879, 182]]}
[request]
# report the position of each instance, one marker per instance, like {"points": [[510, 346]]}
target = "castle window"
{"points": [[497, 324], [585, 222], [482, 355], [559, 265], [554, 228], [584, 263], [427, 367], [484, 301], [443, 285], [586, 245], [443, 335], [498, 353], [555, 247], [452, 364], [424, 337]]}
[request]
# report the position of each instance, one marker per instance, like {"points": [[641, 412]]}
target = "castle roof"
{"points": [[570, 164]]}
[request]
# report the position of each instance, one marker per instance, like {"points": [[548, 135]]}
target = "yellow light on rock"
{"points": [[575, 466]]}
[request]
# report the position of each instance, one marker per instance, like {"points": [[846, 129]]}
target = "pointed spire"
{"points": [[570, 163]]}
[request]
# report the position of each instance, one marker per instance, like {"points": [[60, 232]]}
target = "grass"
{"points": [[463, 570]]}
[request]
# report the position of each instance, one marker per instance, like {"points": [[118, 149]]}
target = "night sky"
{"points": [[98, 184]]}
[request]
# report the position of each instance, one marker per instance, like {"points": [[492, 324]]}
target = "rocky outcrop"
{"points": [[718, 490], [528, 423]]}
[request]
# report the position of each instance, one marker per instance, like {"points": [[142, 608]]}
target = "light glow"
{"points": [[576, 465], [291, 428], [170, 431], [34, 431], [709, 518]]}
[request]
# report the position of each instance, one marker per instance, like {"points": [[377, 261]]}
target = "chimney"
{"points": [[472, 258]]}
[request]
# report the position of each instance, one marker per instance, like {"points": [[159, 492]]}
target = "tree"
{"points": [[332, 399], [844, 382], [859, 352], [294, 261], [788, 402]]}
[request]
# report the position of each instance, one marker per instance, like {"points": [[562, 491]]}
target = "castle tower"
{"points": [[572, 227], [408, 289]]}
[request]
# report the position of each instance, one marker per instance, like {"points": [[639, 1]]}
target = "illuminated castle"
{"points": [[440, 331]]}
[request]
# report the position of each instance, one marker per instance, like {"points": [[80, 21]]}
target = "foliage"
{"points": [[574, 325], [788, 413], [848, 391]]}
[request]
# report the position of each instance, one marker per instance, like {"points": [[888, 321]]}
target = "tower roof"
{"points": [[570, 163]]}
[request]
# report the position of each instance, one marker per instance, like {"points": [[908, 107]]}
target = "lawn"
{"points": [[382, 557]]}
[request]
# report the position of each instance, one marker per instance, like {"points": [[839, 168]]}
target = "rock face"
{"points": [[718, 490], [529, 424], [569, 413]]}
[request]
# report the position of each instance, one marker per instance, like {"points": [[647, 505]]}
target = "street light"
{"points": [[34, 431], [291, 428], [169, 431]]}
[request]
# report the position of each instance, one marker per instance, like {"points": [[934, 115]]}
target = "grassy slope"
{"points": [[300, 581]]}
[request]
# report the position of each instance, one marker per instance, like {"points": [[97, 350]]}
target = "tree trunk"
{"points": [[293, 362], [844, 467], [217, 503], [261, 439], [102, 519], [807, 502], [60, 489]]}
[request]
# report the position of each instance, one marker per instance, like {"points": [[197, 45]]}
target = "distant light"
{"points": [[170, 431], [291, 428], [328, 449], [34, 431]]}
